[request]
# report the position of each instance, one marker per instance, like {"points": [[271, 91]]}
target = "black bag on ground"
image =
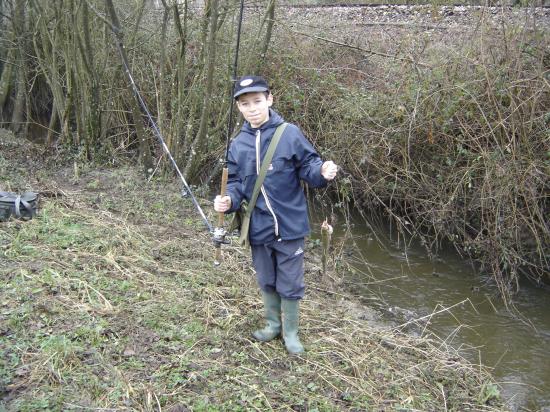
{"points": [[21, 206]]}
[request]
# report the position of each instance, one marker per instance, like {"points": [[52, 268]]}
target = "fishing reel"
{"points": [[218, 237]]}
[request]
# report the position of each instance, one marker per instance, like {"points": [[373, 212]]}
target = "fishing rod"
{"points": [[115, 27], [219, 231]]}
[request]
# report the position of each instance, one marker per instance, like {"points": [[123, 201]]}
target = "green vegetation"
{"points": [[108, 299]]}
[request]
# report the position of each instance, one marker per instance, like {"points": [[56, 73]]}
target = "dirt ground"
{"points": [[109, 301]]}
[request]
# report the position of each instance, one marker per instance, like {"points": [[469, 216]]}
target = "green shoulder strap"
{"points": [[245, 223], [265, 165]]}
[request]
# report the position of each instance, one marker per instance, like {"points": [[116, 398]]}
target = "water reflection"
{"points": [[459, 307]]}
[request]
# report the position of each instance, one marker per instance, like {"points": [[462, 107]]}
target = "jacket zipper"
{"points": [[268, 204]]}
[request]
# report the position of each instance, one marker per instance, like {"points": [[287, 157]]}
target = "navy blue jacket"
{"points": [[284, 213]]}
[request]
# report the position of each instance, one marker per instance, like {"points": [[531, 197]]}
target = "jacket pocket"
{"points": [[249, 178], [281, 176], [279, 166]]}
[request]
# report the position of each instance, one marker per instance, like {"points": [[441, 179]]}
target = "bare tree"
{"points": [[21, 96], [144, 150], [199, 145], [268, 21]]}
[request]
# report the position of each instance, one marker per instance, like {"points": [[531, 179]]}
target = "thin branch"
{"points": [[362, 50], [101, 17]]}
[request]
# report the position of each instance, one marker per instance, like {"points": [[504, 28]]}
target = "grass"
{"points": [[109, 301]]}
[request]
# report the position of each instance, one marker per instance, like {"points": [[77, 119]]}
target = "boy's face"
{"points": [[255, 107]]}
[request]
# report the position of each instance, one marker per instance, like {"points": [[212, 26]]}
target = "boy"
{"points": [[279, 221]]}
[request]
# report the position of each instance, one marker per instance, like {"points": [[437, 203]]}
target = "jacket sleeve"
{"points": [[234, 182], [308, 162]]}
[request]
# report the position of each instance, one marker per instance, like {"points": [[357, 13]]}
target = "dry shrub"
{"points": [[456, 149]]}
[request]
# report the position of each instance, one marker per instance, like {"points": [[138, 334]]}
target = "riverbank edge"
{"points": [[110, 300], [406, 153]]}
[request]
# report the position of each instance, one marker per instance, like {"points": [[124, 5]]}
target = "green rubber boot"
{"points": [[272, 313], [290, 310]]}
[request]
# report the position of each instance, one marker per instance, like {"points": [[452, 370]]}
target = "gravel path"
{"points": [[423, 15]]}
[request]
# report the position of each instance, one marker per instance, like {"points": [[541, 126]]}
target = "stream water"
{"points": [[466, 311]]}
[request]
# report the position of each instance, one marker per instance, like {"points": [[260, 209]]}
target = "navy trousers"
{"points": [[280, 267]]}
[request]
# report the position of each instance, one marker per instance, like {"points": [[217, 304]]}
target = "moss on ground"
{"points": [[109, 301]]}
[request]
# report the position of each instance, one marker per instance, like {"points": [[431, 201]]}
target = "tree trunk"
{"points": [[7, 78], [178, 103], [144, 149], [18, 115], [92, 109], [200, 143], [270, 18], [164, 97], [204, 29], [48, 46], [52, 125]]}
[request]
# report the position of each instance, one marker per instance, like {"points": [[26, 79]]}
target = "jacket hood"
{"points": [[274, 120]]}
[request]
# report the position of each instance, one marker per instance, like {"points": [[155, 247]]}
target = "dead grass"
{"points": [[109, 301]]}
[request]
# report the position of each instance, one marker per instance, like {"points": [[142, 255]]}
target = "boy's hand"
{"points": [[329, 169], [222, 204]]}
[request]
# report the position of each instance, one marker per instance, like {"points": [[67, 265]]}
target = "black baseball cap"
{"points": [[249, 84]]}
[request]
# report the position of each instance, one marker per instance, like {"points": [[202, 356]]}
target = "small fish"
{"points": [[326, 233]]}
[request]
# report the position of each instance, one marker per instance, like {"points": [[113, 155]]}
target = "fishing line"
{"points": [[233, 80], [158, 134], [219, 232]]}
